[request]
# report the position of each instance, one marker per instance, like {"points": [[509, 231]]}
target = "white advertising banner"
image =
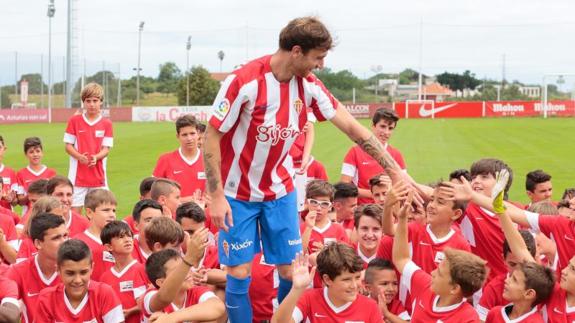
{"points": [[169, 114]]}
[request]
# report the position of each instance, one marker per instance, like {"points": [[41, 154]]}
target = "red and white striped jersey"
{"points": [[260, 118]]}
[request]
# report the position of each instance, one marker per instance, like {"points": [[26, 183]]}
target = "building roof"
{"points": [[436, 89], [220, 77]]}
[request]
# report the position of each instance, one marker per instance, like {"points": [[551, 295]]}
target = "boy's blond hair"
{"points": [[98, 197], [163, 230], [45, 204], [466, 269], [92, 90]]}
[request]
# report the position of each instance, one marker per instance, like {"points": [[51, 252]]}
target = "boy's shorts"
{"points": [[80, 194], [276, 222]]}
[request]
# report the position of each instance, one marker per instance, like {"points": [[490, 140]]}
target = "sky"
{"points": [[523, 40]]}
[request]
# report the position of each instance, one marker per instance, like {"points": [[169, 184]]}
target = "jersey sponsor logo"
{"points": [[201, 175], [99, 133], [108, 257], [238, 246], [275, 133], [439, 257], [222, 109], [226, 247], [424, 243], [6, 180], [558, 311], [81, 131], [567, 237], [298, 105], [428, 113], [32, 294], [176, 172], [316, 314], [126, 286]]}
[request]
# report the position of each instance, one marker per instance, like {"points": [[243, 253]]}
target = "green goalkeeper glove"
{"points": [[499, 190]]}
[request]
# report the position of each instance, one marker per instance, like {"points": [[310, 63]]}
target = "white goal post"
{"points": [[407, 102]]}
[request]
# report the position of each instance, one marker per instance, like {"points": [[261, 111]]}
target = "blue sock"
{"points": [[237, 300], [283, 289]]}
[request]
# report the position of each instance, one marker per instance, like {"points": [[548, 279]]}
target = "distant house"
{"points": [[530, 91], [432, 91], [220, 77]]}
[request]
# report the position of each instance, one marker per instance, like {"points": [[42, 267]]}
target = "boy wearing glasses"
{"points": [[317, 230]]}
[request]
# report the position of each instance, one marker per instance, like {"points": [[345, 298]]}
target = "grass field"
{"points": [[432, 148]]}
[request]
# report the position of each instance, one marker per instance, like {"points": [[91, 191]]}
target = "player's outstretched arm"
{"points": [[301, 278], [195, 250], [219, 208], [516, 242], [210, 310], [367, 141], [400, 243]]}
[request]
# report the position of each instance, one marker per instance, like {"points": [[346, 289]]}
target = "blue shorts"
{"points": [[276, 222]]}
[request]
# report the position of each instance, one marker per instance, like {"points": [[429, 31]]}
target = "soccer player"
{"points": [[173, 291], [191, 217], [264, 289], [163, 233], [35, 191], [127, 277], [538, 186], [368, 232], [340, 270], [9, 184], [145, 188], [48, 231], [100, 209], [382, 284], [344, 204], [440, 296], [167, 193], [530, 284], [379, 185], [61, 188], [185, 165], [9, 305], [88, 139], [429, 241], [248, 137], [143, 213], [9, 243], [358, 166], [201, 135], [78, 298], [34, 171]]}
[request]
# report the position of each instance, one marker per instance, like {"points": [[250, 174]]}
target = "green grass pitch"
{"points": [[432, 148]]}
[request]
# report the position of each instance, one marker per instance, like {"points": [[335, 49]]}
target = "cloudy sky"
{"points": [[535, 36]]}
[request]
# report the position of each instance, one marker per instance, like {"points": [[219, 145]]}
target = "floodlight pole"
{"points": [[140, 29], [544, 99], [51, 12], [188, 46]]}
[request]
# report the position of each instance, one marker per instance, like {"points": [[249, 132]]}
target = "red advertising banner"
{"points": [[23, 116], [365, 111], [428, 109]]}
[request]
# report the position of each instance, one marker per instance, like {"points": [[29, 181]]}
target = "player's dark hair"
{"points": [[2, 140], [155, 265], [163, 186], [115, 229], [376, 181], [146, 185], [165, 231], [74, 250], [568, 194], [373, 211], [32, 142], [375, 265], [344, 190], [458, 173], [529, 242], [39, 186], [142, 205], [308, 33], [386, 114], [42, 223], [539, 278], [201, 127], [190, 210], [187, 120], [337, 258], [536, 177], [491, 166], [56, 181]]}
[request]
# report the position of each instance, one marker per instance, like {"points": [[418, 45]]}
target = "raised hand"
{"points": [[196, 245], [301, 276], [398, 193], [498, 191], [310, 219], [459, 192]]}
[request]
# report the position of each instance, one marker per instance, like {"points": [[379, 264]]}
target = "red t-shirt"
{"points": [[260, 119], [425, 308], [27, 176], [360, 166], [129, 219], [263, 289], [331, 232], [316, 170], [31, 282], [129, 285], [315, 306], [9, 182], [100, 304], [10, 234], [88, 137], [188, 173], [499, 314], [482, 230], [492, 296], [8, 292], [102, 260], [396, 308], [77, 224], [139, 254], [195, 295], [556, 308]]}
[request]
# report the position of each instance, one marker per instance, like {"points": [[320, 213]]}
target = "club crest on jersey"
{"points": [[226, 248], [222, 109], [298, 105]]}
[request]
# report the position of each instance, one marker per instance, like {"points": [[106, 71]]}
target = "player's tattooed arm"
{"points": [[212, 160]]}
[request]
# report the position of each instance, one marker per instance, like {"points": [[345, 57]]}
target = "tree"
{"points": [[169, 77], [459, 82], [34, 83], [221, 56], [5, 92], [408, 76], [203, 88]]}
